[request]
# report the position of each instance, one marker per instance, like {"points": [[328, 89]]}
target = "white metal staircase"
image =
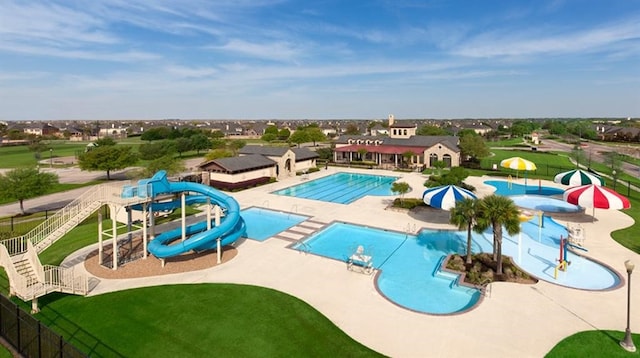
{"points": [[28, 278]]}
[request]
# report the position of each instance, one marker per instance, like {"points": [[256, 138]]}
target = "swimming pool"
{"points": [[263, 223], [545, 203], [409, 265], [342, 188], [506, 188]]}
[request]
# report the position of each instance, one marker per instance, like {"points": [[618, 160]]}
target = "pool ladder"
{"points": [[303, 247]]}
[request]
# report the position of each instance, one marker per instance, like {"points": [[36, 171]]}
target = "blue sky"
{"points": [[361, 59]]}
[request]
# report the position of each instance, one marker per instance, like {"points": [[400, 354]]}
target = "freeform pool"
{"points": [[263, 223], [342, 188], [409, 264], [545, 203], [506, 188]]}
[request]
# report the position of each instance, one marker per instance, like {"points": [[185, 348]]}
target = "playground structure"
{"points": [[227, 226], [563, 262], [29, 279]]}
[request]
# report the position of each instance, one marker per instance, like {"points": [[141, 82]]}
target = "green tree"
{"points": [[298, 137], [463, 215], [183, 145], [406, 157], [155, 150], [496, 211], [362, 152], [284, 134], [218, 153], [315, 135], [25, 183], [236, 144], [473, 146], [200, 142], [105, 141], [352, 129], [108, 158], [270, 134], [156, 133], [400, 188], [431, 130], [169, 163]]}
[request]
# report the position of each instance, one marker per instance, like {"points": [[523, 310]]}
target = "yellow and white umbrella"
{"points": [[518, 163]]}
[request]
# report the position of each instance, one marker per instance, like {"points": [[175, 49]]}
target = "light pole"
{"points": [[50, 157], [627, 342]]}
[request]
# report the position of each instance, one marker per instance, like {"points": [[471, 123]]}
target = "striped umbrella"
{"points": [[578, 177], [445, 197], [595, 196], [518, 163]]}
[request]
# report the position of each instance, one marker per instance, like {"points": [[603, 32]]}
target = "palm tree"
{"points": [[464, 215], [497, 211]]}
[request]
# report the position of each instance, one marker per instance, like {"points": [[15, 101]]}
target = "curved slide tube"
{"points": [[231, 227]]}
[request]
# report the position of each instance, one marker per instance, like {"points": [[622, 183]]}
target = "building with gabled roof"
{"points": [[390, 152], [257, 165]]}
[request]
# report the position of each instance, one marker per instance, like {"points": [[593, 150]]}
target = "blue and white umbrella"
{"points": [[445, 197]]}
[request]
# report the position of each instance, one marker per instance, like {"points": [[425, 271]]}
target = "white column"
{"points": [[183, 205], [219, 250], [208, 213], [218, 214], [100, 249], [144, 230], [114, 232]]}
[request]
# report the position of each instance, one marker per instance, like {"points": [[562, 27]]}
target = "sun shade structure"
{"points": [[595, 196], [445, 197], [518, 163], [578, 177]]}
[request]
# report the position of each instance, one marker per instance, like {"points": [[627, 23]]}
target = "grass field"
{"points": [[594, 344]]}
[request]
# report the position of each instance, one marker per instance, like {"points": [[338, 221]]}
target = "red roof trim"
{"points": [[383, 149]]}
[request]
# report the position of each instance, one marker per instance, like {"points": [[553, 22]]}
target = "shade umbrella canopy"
{"points": [[578, 177], [445, 197], [595, 196], [518, 163]]}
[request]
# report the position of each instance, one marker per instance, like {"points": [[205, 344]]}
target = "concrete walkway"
{"points": [[515, 321]]}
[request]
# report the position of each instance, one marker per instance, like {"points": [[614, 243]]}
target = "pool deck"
{"points": [[516, 320]]}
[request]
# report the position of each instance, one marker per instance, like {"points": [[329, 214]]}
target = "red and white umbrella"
{"points": [[595, 196]]}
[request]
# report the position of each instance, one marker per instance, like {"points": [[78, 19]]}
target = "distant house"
{"points": [[257, 165], [391, 151]]}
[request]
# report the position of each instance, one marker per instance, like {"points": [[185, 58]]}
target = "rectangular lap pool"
{"points": [[341, 188]]}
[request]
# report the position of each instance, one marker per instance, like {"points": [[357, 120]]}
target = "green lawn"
{"points": [[198, 320], [594, 344]]}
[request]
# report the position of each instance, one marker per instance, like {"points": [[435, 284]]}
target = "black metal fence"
{"points": [[30, 337], [19, 225]]}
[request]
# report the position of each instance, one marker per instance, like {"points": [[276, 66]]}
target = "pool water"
{"points": [[545, 203], [506, 188], [263, 223], [409, 265], [342, 188]]}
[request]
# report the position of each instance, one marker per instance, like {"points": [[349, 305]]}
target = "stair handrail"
{"points": [[65, 280], [17, 282], [32, 256], [88, 199]]}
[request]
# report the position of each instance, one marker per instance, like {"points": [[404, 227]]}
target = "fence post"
{"points": [[12, 223], [39, 340], [18, 330], [61, 348]]}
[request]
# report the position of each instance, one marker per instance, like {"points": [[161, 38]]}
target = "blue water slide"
{"points": [[231, 227]]}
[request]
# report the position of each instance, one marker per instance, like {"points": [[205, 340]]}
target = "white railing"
{"points": [[25, 249], [65, 219], [65, 280]]}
